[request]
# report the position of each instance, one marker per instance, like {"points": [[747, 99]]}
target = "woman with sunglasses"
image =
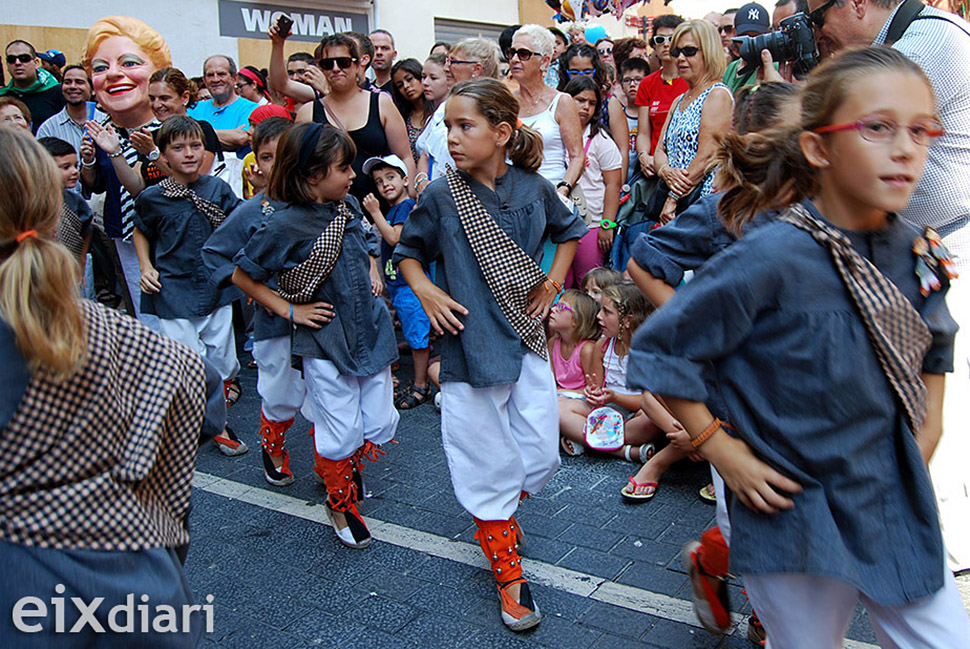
{"points": [[687, 142], [370, 119], [468, 59], [657, 92]]}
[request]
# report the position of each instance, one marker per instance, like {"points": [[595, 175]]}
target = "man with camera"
{"points": [[940, 43], [751, 20]]}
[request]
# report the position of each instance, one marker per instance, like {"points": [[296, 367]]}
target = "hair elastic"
{"points": [[309, 142], [24, 235], [518, 123]]}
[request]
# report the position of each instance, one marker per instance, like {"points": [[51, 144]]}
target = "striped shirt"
{"points": [[64, 128], [118, 215], [942, 198]]}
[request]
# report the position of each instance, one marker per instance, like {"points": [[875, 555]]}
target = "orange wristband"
{"points": [[555, 285], [712, 428]]}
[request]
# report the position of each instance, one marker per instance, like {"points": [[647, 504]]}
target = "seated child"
{"points": [[623, 310], [172, 221], [598, 279], [573, 328], [390, 177], [74, 228]]}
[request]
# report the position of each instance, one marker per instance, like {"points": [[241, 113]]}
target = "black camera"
{"points": [[794, 41]]}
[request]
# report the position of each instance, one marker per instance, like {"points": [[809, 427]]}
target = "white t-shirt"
{"points": [[601, 155], [434, 141]]}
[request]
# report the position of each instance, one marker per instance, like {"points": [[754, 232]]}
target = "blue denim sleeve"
{"points": [[561, 223], [145, 215], [263, 256], [228, 239], [706, 320], [943, 328]]}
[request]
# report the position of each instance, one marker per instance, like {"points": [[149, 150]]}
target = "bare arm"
{"points": [[932, 430], [313, 315], [390, 233], [621, 133], [716, 118], [396, 132], [423, 166], [646, 160], [279, 80], [232, 138], [571, 132], [305, 113], [656, 290], [613, 179]]}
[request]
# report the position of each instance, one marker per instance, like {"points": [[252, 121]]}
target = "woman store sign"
{"points": [[252, 20]]}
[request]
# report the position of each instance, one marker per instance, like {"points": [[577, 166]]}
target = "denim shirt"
{"points": [[177, 231], [805, 390], [359, 340], [227, 241], [488, 352]]}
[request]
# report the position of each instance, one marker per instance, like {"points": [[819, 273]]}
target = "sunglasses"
{"points": [[661, 40], [729, 29], [343, 62], [686, 51], [579, 73], [522, 53], [451, 61], [818, 16], [23, 58], [879, 130], [605, 51]]}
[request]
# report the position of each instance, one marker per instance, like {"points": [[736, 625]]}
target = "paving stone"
{"points": [[615, 620], [590, 536], [594, 562], [558, 633], [382, 614], [671, 635], [618, 642], [652, 578], [434, 630], [646, 550]]}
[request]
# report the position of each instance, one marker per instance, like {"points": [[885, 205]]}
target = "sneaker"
{"points": [[278, 477], [355, 535], [437, 402], [230, 444], [710, 605], [518, 615]]}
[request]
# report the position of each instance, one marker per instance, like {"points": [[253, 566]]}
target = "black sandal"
{"points": [[413, 398]]}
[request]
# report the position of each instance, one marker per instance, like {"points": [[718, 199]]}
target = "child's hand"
{"points": [[149, 281], [255, 177], [376, 281], [540, 299], [313, 315], [441, 310], [756, 484], [604, 238], [680, 440], [370, 204]]}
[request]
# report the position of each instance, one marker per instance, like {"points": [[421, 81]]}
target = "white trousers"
{"points": [[811, 612], [347, 410], [502, 440], [209, 335], [723, 521], [281, 387], [129, 268], [951, 478]]}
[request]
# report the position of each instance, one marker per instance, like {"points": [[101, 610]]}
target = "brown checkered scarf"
{"points": [[509, 272], [68, 232], [172, 189], [104, 459], [896, 330], [300, 283]]}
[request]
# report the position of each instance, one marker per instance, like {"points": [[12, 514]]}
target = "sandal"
{"points": [[707, 494], [644, 453], [630, 494], [231, 391], [571, 448], [412, 398]]}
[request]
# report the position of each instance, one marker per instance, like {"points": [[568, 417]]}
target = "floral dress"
{"points": [[683, 135]]}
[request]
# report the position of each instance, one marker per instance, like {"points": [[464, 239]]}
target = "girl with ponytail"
{"points": [[829, 352], [484, 225], [99, 427]]}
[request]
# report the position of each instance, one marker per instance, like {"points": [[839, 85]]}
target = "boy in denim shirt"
{"points": [[390, 177]]}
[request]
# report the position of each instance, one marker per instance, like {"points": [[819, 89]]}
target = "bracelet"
{"points": [[421, 176], [88, 165], [563, 183], [291, 312], [712, 428], [556, 285], [607, 224], [115, 155], [660, 171]]}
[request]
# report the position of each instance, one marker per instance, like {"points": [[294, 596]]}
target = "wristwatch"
{"points": [[153, 155]]}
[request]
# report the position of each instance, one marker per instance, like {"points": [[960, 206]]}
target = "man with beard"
{"points": [[31, 84], [68, 125]]}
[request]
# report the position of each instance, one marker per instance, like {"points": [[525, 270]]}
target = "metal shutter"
{"points": [[446, 29]]}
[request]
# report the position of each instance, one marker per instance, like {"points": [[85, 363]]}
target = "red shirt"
{"points": [[658, 95]]}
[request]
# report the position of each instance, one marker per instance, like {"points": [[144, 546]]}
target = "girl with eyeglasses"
{"points": [[687, 141], [370, 119], [829, 352]]}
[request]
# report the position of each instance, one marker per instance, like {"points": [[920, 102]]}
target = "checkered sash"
{"points": [[68, 232], [896, 330], [171, 189], [103, 460], [509, 272], [299, 283]]}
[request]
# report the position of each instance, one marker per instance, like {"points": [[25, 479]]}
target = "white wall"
{"points": [[412, 21]]}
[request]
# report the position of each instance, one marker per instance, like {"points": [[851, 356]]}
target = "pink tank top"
{"points": [[569, 373]]}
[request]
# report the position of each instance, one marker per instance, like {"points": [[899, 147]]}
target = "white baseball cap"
{"points": [[390, 160]]}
